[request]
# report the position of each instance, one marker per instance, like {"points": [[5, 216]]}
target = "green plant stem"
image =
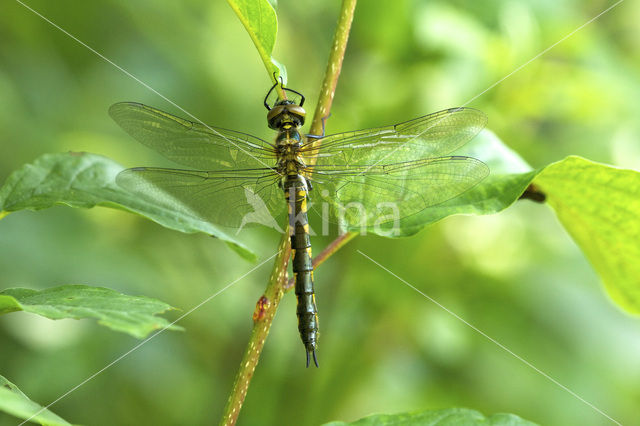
{"points": [[334, 66], [268, 304], [262, 318]]}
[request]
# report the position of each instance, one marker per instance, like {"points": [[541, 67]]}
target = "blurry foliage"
{"points": [[134, 315], [517, 275], [13, 401], [448, 417], [599, 207]]}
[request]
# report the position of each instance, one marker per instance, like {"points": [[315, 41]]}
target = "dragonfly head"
{"points": [[285, 112]]}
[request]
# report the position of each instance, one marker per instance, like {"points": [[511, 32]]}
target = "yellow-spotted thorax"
{"points": [[287, 117]]}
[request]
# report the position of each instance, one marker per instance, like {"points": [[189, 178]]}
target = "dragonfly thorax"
{"points": [[288, 144], [288, 139], [287, 117]]}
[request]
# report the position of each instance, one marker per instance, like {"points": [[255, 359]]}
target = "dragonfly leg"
{"points": [[269, 92], [286, 89], [324, 122]]}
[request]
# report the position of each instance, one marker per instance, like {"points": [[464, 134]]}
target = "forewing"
{"points": [[372, 195], [433, 135], [192, 144], [235, 198]]}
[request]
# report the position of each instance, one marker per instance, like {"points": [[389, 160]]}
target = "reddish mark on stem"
{"points": [[261, 309]]}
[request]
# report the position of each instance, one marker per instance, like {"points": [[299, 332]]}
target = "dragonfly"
{"points": [[405, 165]]}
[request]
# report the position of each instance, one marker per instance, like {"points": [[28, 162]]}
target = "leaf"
{"points": [[86, 180], [260, 20], [16, 403], [599, 206], [134, 315], [509, 177], [446, 417]]}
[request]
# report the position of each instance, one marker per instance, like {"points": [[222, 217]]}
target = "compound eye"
{"points": [[274, 115], [298, 112], [274, 112]]}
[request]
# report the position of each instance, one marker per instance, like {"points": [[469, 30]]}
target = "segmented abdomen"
{"points": [[296, 193]]}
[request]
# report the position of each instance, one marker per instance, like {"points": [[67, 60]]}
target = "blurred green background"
{"points": [[517, 276]]}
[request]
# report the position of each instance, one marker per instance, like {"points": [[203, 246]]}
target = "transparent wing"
{"points": [[367, 195], [433, 135], [192, 144], [234, 198]]}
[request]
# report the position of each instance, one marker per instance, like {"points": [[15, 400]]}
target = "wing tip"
{"points": [[482, 117], [128, 173], [118, 107], [481, 169]]}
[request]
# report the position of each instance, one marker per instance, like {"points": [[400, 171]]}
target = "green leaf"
{"points": [[599, 206], [446, 417], [260, 20], [134, 315], [86, 180], [509, 177], [16, 403]]}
